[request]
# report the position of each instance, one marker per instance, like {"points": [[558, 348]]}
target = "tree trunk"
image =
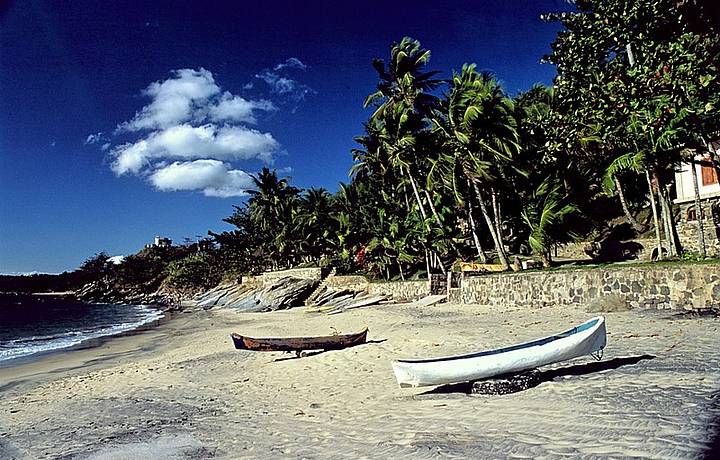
{"points": [[621, 195], [473, 229], [432, 208], [440, 265], [417, 198], [491, 227], [496, 214], [672, 234], [402, 275], [663, 218], [653, 206], [666, 214], [698, 212], [546, 259], [427, 263]]}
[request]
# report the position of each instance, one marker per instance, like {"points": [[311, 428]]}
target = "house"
{"points": [[161, 242], [709, 188]]}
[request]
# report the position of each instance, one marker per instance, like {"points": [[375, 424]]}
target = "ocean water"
{"points": [[34, 325]]}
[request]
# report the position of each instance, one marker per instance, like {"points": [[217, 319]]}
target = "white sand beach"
{"points": [[183, 391]]}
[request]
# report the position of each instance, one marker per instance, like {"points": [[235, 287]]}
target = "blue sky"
{"points": [[123, 120]]}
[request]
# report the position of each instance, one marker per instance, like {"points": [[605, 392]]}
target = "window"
{"points": [[709, 175], [691, 215]]}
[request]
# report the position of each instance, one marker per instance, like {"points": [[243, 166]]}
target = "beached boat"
{"points": [[586, 339], [297, 344]]}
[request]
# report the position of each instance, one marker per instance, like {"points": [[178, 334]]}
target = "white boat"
{"points": [[588, 338]]}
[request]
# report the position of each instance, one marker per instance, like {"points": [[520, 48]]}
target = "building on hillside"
{"points": [[161, 242], [709, 188]]}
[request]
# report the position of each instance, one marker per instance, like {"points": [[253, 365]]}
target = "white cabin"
{"points": [[709, 191], [706, 178]]}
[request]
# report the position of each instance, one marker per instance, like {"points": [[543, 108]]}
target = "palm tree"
{"points": [[272, 209], [544, 214], [479, 134], [314, 224], [403, 103]]}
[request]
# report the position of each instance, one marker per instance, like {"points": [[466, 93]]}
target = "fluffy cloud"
{"points": [[212, 177], [190, 142], [237, 109], [192, 132], [173, 100]]}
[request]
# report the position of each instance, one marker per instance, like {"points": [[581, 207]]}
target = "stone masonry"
{"points": [[663, 287]]}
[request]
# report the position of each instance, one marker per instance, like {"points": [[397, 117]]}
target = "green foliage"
{"points": [[545, 214], [447, 169], [193, 273]]}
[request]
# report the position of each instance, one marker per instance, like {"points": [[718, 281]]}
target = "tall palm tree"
{"points": [[403, 102], [479, 134], [272, 207], [314, 225]]}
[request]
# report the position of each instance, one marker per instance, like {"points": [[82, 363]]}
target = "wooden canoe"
{"points": [[329, 342], [585, 339]]}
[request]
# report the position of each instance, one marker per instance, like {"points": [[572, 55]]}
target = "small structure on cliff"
{"points": [[160, 242], [709, 188]]}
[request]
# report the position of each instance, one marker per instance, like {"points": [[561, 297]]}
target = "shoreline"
{"points": [[90, 343], [181, 390], [160, 314], [88, 355]]}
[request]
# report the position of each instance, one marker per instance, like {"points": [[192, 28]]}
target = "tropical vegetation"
{"points": [[458, 169]]}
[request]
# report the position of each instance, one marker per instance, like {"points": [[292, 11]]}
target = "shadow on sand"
{"points": [[307, 354], [713, 448], [545, 376]]}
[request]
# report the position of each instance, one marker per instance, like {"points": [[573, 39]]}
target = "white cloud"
{"points": [[278, 84], [213, 177], [173, 100], [293, 63], [191, 142], [95, 138], [237, 109], [192, 132]]}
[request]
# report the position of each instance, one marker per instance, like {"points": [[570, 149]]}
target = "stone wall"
{"points": [[687, 227], [671, 287], [401, 290], [302, 273], [351, 282]]}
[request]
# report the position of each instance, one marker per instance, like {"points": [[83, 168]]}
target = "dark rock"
{"points": [[506, 384]]}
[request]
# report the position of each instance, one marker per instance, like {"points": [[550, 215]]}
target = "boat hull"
{"points": [[585, 339], [330, 342]]}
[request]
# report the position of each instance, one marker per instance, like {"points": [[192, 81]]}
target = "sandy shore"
{"points": [[182, 391]]}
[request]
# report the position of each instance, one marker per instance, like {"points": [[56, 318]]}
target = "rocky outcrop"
{"points": [[280, 295], [100, 292], [276, 294]]}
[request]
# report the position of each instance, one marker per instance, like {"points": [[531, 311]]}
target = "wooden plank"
{"points": [[431, 300]]}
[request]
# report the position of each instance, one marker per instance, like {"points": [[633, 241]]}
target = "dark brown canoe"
{"points": [[329, 342]]}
